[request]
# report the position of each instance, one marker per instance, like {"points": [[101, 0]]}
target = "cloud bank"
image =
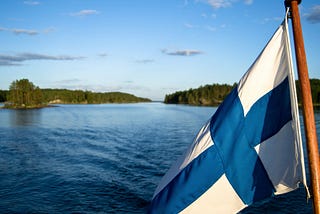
{"points": [[16, 60]]}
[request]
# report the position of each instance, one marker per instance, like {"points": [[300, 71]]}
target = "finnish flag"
{"points": [[249, 150]]}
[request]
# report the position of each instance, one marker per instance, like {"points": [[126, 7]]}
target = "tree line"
{"points": [[213, 95], [315, 91], [88, 97], [24, 94], [208, 95]]}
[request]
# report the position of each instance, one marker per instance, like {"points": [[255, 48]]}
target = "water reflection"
{"points": [[25, 117]]}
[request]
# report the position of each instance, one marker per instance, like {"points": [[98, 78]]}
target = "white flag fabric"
{"points": [[249, 150]]}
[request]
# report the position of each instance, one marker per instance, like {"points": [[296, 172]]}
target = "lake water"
{"points": [[101, 158]]}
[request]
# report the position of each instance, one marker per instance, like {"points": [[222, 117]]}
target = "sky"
{"points": [[148, 48]]}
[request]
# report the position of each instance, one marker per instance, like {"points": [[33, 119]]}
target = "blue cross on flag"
{"points": [[249, 150]]}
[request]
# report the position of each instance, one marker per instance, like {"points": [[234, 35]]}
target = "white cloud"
{"points": [[85, 13], [182, 52], [219, 3], [14, 60], [20, 31], [24, 31], [314, 16]]}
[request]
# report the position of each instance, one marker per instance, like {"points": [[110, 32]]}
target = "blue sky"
{"points": [[145, 47]]}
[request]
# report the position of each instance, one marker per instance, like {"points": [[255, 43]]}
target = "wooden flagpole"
{"points": [[308, 114]]}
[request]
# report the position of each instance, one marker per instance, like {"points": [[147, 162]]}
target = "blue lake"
{"points": [[101, 158]]}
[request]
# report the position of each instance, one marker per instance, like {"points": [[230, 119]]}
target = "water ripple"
{"points": [[100, 158]]}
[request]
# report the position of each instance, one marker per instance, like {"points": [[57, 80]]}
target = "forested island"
{"points": [[23, 94], [213, 95]]}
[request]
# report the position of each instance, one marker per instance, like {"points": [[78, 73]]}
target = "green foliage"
{"points": [[315, 91], [213, 95], [3, 95], [24, 94], [88, 97], [208, 95]]}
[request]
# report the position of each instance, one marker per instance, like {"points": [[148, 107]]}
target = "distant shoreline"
{"points": [[53, 105], [64, 96]]}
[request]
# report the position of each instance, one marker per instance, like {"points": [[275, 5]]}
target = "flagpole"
{"points": [[308, 114]]}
